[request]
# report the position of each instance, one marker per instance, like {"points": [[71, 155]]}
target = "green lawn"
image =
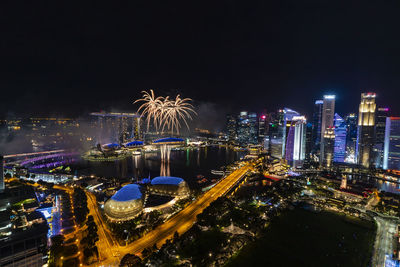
{"points": [[304, 238]]}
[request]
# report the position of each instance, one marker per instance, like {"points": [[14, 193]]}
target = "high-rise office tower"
{"points": [[391, 155], [380, 127], [351, 139], [275, 134], [243, 128], [231, 128], [329, 143], [316, 124], [340, 139], [117, 127], [328, 113], [309, 141], [137, 132], [288, 115], [366, 129], [253, 122], [296, 139], [247, 130], [299, 150], [262, 128], [289, 146]]}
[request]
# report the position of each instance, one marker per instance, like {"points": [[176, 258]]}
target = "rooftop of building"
{"points": [[134, 143], [167, 180], [111, 145], [168, 140], [127, 193]]}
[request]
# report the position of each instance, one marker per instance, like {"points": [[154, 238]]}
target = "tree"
{"points": [[176, 236], [130, 260]]}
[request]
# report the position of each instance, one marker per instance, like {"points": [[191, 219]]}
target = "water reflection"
{"points": [[187, 163]]}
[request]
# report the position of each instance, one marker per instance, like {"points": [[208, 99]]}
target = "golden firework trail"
{"points": [[165, 114]]}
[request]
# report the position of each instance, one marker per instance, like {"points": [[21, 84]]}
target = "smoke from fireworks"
{"points": [[165, 114]]}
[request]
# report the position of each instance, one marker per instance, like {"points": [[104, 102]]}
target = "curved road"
{"points": [[111, 252], [184, 220]]}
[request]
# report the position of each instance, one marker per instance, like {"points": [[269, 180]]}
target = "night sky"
{"points": [[231, 55]]}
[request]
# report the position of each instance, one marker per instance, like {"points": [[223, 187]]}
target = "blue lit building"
{"points": [[339, 153], [316, 125], [125, 204], [391, 155], [288, 115], [296, 140], [351, 139]]}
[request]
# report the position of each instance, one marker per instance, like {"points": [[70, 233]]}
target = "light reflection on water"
{"points": [[185, 163], [379, 184]]}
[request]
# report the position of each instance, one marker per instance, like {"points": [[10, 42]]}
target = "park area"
{"points": [[304, 238]]}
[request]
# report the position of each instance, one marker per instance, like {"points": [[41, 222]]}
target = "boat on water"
{"points": [[217, 172]]}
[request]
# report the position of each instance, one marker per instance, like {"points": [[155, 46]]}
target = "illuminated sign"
{"points": [[329, 96]]}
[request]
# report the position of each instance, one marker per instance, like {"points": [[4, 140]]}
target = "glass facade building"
{"points": [[366, 129], [391, 155], [340, 139]]}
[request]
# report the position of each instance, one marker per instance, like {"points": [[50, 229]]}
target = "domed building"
{"points": [[125, 204], [169, 186], [134, 144], [169, 141]]}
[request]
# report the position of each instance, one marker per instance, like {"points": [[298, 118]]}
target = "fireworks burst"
{"points": [[165, 114]]}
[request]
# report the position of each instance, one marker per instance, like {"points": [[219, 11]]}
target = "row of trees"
{"points": [[80, 205], [88, 242], [62, 249]]}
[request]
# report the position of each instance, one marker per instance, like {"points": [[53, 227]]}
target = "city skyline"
{"points": [[200, 133]]}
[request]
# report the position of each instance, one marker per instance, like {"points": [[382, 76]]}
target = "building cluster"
{"points": [[116, 127], [369, 138], [129, 201], [23, 135], [23, 228]]}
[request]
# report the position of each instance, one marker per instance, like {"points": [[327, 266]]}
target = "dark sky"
{"points": [[237, 55]]}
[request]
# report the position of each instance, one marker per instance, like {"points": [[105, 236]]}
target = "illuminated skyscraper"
{"points": [[328, 113], [288, 115], [299, 150], [253, 121], [329, 143], [391, 155], [231, 128], [366, 129], [340, 139], [243, 128], [380, 127], [262, 128], [296, 139], [309, 140], [247, 130], [316, 124], [117, 127], [275, 134], [351, 139]]}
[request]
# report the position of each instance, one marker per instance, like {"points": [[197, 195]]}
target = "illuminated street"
{"points": [[111, 253], [108, 249], [184, 220], [386, 229], [164, 134]]}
